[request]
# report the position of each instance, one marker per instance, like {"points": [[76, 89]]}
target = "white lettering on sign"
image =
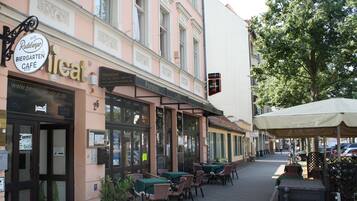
{"points": [[41, 108], [31, 53]]}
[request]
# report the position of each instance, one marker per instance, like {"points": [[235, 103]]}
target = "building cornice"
{"points": [[13, 17]]}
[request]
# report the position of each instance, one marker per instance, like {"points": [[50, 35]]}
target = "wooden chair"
{"points": [[226, 174], [161, 192], [234, 169], [162, 171], [179, 192], [136, 176], [196, 167], [199, 181], [188, 186]]}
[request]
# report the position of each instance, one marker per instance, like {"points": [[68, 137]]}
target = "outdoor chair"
{"points": [[226, 174], [179, 191], [149, 175], [136, 176], [196, 167], [188, 186], [161, 192], [199, 181], [234, 170], [162, 171]]}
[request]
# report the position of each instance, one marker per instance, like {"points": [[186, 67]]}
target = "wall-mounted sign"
{"points": [[32, 98], [214, 83], [96, 138], [31, 53], [64, 68]]}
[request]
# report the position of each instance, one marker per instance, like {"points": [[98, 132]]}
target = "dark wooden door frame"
{"points": [[112, 170], [50, 177], [15, 185], [15, 118]]}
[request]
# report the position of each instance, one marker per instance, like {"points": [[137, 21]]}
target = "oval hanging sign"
{"points": [[31, 52]]}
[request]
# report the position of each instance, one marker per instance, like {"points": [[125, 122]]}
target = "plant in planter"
{"points": [[117, 190]]}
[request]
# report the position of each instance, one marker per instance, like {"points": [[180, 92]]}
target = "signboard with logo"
{"points": [[31, 53], [32, 98], [214, 83]]}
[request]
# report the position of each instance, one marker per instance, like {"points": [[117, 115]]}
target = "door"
{"points": [[22, 175], [54, 162], [229, 147]]}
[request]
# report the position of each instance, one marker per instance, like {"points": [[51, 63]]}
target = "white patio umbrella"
{"points": [[335, 117]]}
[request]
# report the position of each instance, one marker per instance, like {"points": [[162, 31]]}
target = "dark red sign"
{"points": [[214, 83]]}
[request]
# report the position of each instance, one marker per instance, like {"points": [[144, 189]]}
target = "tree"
{"points": [[309, 51]]}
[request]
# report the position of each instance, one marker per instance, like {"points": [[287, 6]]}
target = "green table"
{"points": [[147, 185], [174, 176], [216, 168]]}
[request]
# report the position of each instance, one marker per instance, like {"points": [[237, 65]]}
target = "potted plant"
{"points": [[115, 190]]}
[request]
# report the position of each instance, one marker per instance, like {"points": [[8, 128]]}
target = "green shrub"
{"points": [[115, 190]]}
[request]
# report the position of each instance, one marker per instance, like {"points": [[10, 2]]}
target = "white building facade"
{"points": [[227, 50]]}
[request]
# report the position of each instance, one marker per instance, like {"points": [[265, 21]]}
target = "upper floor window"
{"points": [[182, 47], [196, 58], [164, 33], [140, 21], [102, 10], [194, 3]]}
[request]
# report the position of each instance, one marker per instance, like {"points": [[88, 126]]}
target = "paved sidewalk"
{"points": [[256, 181]]}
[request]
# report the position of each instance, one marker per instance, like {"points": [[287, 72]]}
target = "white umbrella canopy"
{"points": [[319, 118]]}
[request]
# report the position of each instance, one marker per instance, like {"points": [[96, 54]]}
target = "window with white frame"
{"points": [[182, 48], [140, 21], [196, 58], [194, 3], [164, 33], [102, 9]]}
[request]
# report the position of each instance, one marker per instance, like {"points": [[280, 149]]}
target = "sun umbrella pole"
{"points": [[338, 142]]}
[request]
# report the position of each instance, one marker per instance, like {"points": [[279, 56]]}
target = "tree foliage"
{"points": [[309, 51]]}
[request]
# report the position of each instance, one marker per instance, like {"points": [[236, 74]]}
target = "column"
{"points": [[153, 163], [174, 141], [203, 134]]}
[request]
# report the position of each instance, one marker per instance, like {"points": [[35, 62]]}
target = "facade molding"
{"points": [[88, 49]]}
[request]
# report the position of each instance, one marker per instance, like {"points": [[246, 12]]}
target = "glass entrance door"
{"points": [[53, 162], [22, 174]]}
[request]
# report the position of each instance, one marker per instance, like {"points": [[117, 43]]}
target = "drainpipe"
{"points": [[204, 48]]}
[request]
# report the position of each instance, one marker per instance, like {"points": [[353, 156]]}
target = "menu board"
{"points": [[96, 138]]}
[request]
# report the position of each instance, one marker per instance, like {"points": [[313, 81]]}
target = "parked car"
{"points": [[343, 148], [350, 152]]}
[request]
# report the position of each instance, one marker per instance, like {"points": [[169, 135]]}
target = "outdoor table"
{"points": [[216, 168], [174, 176], [301, 190], [147, 184]]}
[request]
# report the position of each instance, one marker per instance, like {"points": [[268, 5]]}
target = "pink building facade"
{"points": [[122, 91]]}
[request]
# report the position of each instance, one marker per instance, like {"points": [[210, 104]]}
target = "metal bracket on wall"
{"points": [[8, 37]]}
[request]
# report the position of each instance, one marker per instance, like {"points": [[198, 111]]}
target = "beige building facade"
{"points": [[122, 91]]}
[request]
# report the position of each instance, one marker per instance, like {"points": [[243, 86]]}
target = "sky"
{"points": [[247, 8]]}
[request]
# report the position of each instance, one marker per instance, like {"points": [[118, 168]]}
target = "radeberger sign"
{"points": [[31, 53]]}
